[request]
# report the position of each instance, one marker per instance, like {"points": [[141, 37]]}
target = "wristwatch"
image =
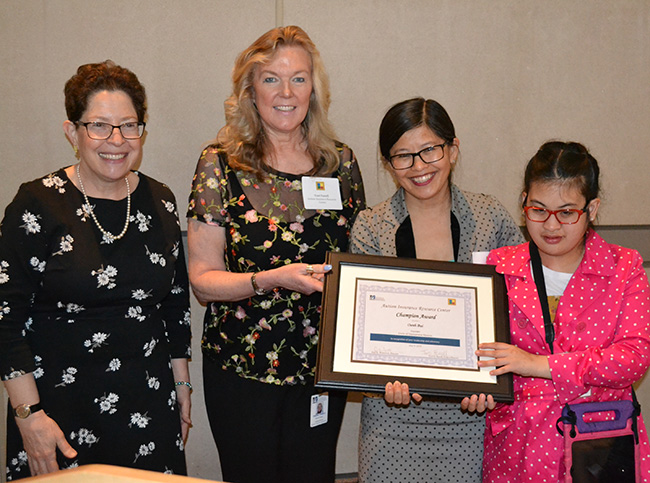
{"points": [[23, 411]]}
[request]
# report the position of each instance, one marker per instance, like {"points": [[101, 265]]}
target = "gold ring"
{"points": [[310, 270]]}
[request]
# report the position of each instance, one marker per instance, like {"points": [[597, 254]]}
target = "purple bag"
{"points": [[601, 442]]}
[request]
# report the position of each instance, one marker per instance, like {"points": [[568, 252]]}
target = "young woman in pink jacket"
{"points": [[599, 307]]}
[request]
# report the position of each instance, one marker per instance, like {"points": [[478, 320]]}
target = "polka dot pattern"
{"points": [[602, 345], [430, 439]]}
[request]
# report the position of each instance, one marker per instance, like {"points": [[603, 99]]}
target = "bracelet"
{"points": [[183, 383], [256, 288]]}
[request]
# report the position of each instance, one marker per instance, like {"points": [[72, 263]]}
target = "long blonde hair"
{"points": [[243, 137]]}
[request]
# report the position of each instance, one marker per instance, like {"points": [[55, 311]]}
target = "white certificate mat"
{"points": [[416, 321], [415, 324], [414, 282]]}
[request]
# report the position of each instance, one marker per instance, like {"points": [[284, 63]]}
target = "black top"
{"points": [[97, 322]]}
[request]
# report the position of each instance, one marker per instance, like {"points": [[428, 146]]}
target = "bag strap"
{"points": [[536, 262], [635, 415], [570, 418]]}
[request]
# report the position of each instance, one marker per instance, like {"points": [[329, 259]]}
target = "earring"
{"points": [[76, 151]]}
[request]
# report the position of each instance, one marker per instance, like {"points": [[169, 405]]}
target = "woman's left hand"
{"points": [[181, 370], [184, 401], [478, 403], [510, 358]]}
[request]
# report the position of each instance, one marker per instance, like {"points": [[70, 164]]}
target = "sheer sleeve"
{"points": [[210, 190], [352, 191]]}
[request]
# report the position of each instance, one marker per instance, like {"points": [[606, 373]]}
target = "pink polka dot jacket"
{"points": [[602, 346]]}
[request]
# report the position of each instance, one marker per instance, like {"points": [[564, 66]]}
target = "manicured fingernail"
{"points": [[327, 268]]}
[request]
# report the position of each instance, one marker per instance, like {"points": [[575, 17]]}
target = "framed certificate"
{"points": [[417, 321]]}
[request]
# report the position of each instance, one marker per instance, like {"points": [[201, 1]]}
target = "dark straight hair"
{"points": [[568, 162], [412, 113]]}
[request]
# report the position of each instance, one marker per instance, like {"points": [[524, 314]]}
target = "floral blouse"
{"points": [[273, 337]]}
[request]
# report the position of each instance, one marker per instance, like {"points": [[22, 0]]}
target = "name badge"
{"points": [[318, 410], [321, 193], [480, 257]]}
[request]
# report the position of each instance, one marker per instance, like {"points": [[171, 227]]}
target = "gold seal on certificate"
{"points": [[417, 321]]}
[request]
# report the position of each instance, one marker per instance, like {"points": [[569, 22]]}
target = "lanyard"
{"points": [[536, 263]]}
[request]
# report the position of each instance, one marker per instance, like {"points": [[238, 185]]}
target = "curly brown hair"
{"points": [[105, 76]]}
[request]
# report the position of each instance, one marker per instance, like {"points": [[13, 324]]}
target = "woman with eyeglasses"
{"points": [[94, 317], [428, 218], [586, 339]]}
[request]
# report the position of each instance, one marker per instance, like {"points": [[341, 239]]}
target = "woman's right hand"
{"points": [[41, 437], [212, 281], [397, 393]]}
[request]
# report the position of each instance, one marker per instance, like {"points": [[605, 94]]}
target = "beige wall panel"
{"points": [[511, 73], [182, 51]]}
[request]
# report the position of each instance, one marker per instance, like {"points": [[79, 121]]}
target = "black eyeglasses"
{"points": [[427, 155], [103, 130], [564, 217]]}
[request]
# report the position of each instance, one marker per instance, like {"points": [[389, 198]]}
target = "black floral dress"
{"points": [[270, 338], [96, 321]]}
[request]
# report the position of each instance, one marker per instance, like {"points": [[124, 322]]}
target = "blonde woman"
{"points": [[256, 251]]}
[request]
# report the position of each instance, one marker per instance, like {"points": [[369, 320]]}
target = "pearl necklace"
{"points": [[108, 234]]}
